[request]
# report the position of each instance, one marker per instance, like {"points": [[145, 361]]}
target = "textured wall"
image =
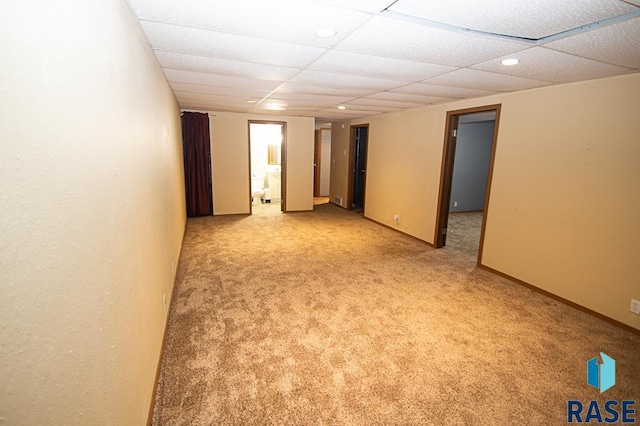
{"points": [[560, 216], [92, 213], [230, 161]]}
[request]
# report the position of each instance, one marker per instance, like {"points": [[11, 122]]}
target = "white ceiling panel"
{"points": [[340, 62], [304, 89], [315, 99], [615, 44], [532, 19], [398, 39], [219, 54], [285, 20], [335, 114], [548, 65], [423, 89], [368, 6], [173, 38], [412, 98], [384, 105], [482, 80], [181, 61], [218, 80], [346, 82], [219, 90]]}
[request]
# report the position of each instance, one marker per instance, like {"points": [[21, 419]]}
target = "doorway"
{"points": [[267, 165], [321, 163], [467, 166], [358, 161]]}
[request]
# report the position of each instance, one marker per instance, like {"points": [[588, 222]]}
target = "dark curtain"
{"points": [[197, 163]]}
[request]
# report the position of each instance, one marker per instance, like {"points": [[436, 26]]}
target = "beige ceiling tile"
{"points": [[482, 80], [292, 21], [341, 62], [423, 89], [181, 61], [398, 39], [529, 19], [617, 44], [173, 38], [539, 63]]}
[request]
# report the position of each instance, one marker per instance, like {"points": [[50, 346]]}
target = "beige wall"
{"points": [[230, 161], [563, 210], [340, 134], [92, 213]]}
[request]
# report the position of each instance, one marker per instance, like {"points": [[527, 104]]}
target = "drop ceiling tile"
{"points": [[179, 76], [344, 82], [529, 19], [295, 89], [617, 44], [219, 90], [317, 99], [181, 61], [398, 39], [384, 104], [205, 105], [341, 62], [423, 89], [292, 21], [539, 63], [412, 98], [335, 114], [482, 80], [368, 6], [173, 38]]}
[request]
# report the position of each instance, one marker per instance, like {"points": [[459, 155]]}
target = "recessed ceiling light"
{"points": [[342, 107], [251, 101], [326, 32], [510, 61]]}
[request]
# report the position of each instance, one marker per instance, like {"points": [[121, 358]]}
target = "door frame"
{"points": [[446, 172], [283, 162], [317, 162], [352, 166]]}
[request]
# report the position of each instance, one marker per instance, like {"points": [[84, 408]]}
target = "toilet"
{"points": [[257, 189]]}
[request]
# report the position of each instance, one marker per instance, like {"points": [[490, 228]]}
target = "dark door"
{"points": [[360, 167]]}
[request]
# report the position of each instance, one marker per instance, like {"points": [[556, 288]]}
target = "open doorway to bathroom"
{"points": [[465, 184], [267, 165]]}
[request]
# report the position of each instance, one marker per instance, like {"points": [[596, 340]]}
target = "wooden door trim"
{"points": [[352, 159], [283, 161], [317, 157], [446, 172]]}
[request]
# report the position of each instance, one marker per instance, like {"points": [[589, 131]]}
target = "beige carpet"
{"points": [[327, 318]]}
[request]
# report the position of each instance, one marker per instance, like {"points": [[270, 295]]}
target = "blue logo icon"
{"points": [[601, 372]]}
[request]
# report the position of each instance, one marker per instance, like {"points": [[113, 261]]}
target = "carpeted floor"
{"points": [[328, 318]]}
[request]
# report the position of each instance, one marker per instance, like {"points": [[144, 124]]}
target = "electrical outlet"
{"points": [[173, 268], [455, 204], [635, 306], [164, 302], [397, 219]]}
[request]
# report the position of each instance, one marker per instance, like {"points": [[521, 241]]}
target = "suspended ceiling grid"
{"points": [[254, 56]]}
